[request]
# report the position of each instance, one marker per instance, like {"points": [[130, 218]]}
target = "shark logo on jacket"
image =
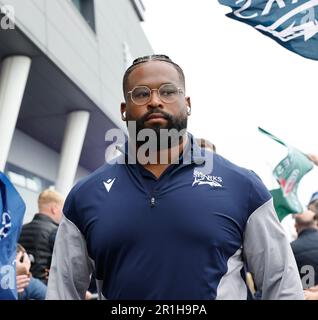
{"points": [[201, 179]]}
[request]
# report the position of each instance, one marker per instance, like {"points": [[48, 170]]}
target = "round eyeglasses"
{"points": [[167, 93]]}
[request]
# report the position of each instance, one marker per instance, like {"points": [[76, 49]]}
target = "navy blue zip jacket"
{"points": [[186, 235]]}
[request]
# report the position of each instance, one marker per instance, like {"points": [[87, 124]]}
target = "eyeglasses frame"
{"points": [[180, 90]]}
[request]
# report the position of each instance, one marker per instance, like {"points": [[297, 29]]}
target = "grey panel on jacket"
{"points": [[71, 267], [232, 285], [269, 256]]}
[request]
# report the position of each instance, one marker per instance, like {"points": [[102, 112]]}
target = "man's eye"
{"points": [[168, 92], [141, 93]]}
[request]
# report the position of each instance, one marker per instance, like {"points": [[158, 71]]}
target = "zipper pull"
{"points": [[152, 202]]}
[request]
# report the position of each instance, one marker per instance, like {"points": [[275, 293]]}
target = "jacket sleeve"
{"points": [[71, 266], [269, 256]]}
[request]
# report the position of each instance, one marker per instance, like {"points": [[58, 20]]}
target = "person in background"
{"points": [[313, 202], [28, 287], [305, 249], [312, 293], [38, 236]]}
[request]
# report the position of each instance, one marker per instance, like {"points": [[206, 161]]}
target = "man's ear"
{"points": [[123, 111], [188, 105], [188, 100], [54, 208]]}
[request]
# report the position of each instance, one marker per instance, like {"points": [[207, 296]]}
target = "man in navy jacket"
{"points": [[178, 228]]}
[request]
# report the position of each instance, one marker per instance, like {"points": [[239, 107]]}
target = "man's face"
{"points": [[156, 114], [313, 206]]}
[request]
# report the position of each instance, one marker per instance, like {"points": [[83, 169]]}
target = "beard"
{"points": [[163, 139]]}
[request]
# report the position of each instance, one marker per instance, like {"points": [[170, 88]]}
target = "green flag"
{"points": [[288, 174]]}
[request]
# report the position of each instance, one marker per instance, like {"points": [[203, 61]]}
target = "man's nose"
{"points": [[155, 100]]}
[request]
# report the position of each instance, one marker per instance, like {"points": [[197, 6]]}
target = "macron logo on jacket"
{"points": [[109, 183]]}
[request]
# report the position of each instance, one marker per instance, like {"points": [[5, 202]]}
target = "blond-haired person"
{"points": [[38, 236]]}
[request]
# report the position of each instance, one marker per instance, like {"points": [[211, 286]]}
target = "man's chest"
{"points": [[189, 211]]}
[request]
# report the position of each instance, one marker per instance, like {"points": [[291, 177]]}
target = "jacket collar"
{"points": [[307, 231], [43, 217]]}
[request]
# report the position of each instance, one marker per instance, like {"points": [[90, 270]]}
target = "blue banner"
{"points": [[292, 23], [12, 210]]}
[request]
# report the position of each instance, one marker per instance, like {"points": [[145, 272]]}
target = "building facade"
{"points": [[62, 63]]}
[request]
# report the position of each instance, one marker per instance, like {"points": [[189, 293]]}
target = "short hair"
{"points": [[48, 196], [153, 57], [20, 248], [313, 206], [313, 198]]}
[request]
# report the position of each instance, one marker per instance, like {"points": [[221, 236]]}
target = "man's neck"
{"points": [[166, 157], [311, 228], [45, 213]]}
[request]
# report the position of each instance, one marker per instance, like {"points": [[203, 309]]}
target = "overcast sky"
{"points": [[239, 79]]}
